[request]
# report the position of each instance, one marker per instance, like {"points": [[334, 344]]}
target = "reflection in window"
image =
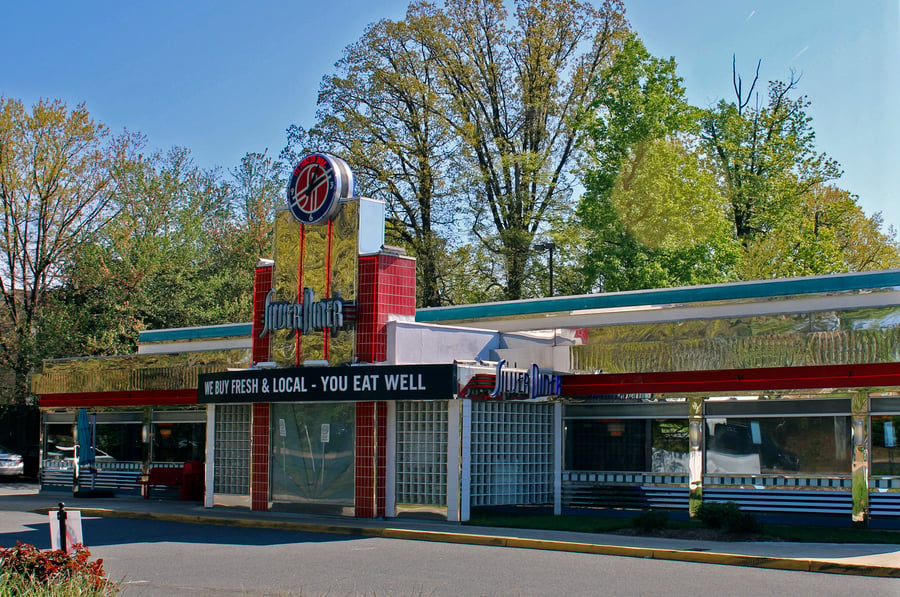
{"points": [[670, 447], [635, 445], [778, 445], [178, 442], [885, 456], [118, 441], [59, 439], [313, 454]]}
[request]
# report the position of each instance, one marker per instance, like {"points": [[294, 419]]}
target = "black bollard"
{"points": [[61, 516]]}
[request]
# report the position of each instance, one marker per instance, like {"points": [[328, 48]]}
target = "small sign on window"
{"points": [[890, 440]]}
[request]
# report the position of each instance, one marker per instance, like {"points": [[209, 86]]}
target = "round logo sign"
{"points": [[317, 185]]}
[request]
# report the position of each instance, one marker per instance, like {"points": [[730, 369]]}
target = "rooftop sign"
{"points": [[304, 317], [317, 185]]}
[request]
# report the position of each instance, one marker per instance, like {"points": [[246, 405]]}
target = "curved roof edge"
{"points": [[228, 330], [757, 289]]}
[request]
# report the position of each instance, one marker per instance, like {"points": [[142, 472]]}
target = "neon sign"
{"points": [[532, 383], [305, 317]]}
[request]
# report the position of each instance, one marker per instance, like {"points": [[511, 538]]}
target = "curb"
{"points": [[698, 557]]}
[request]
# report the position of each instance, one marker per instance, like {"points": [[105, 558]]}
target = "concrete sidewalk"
{"points": [[843, 558]]}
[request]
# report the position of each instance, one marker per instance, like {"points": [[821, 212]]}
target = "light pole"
{"points": [[548, 246]]}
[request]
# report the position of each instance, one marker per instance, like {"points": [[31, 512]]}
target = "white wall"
{"points": [[419, 343]]}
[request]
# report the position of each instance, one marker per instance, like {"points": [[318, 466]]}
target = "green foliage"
{"points": [[27, 570], [60, 175], [765, 155], [462, 118], [383, 112], [727, 516], [180, 252], [662, 224], [681, 196], [650, 520], [652, 210], [639, 99], [826, 232], [714, 515]]}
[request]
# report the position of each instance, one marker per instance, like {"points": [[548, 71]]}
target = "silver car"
{"points": [[11, 463]]}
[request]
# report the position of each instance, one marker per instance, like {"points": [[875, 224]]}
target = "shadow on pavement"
{"points": [[117, 531]]}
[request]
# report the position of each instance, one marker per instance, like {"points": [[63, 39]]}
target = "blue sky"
{"points": [[223, 78]]}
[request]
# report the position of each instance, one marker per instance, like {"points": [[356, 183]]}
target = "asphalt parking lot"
{"points": [[18, 486]]}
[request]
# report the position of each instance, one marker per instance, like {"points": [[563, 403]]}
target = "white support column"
{"points": [[209, 466], [465, 489], [390, 462], [454, 448], [558, 444]]}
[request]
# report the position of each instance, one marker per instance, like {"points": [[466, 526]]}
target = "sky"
{"points": [[227, 77]]}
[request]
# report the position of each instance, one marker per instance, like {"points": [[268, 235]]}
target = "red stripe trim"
{"points": [[301, 258], [146, 398], [729, 380]]}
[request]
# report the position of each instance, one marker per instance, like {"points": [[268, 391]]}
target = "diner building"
{"points": [[340, 397]]}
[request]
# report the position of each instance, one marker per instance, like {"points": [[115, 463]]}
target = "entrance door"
{"points": [[312, 464]]}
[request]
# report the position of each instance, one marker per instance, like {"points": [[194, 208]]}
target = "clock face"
{"points": [[317, 185]]}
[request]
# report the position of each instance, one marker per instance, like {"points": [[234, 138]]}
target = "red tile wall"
{"points": [[259, 457], [262, 283], [371, 469], [386, 286]]}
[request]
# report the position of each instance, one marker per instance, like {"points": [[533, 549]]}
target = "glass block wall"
{"points": [[512, 453], [421, 476], [232, 453]]}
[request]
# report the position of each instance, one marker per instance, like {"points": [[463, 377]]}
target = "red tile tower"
{"points": [[386, 286]]}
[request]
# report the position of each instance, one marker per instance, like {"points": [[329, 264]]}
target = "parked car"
{"points": [[11, 464]]}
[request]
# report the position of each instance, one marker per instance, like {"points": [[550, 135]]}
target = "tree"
{"points": [[257, 190], [460, 115], [514, 87], [662, 224], [180, 252], [826, 232], [60, 173], [652, 213], [765, 154], [383, 113]]}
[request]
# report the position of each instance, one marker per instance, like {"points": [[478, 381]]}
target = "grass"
{"points": [[802, 533]]}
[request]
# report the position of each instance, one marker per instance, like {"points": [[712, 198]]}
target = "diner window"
{"points": [[669, 446], [606, 444], [118, 441], [313, 454], [884, 439], [778, 445], [633, 445], [59, 441], [178, 442]]}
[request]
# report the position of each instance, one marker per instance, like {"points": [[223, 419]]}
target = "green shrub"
{"points": [[650, 520], [727, 516], [25, 567], [743, 522]]}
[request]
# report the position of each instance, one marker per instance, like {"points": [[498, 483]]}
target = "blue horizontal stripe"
{"points": [[231, 330], [717, 292]]}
